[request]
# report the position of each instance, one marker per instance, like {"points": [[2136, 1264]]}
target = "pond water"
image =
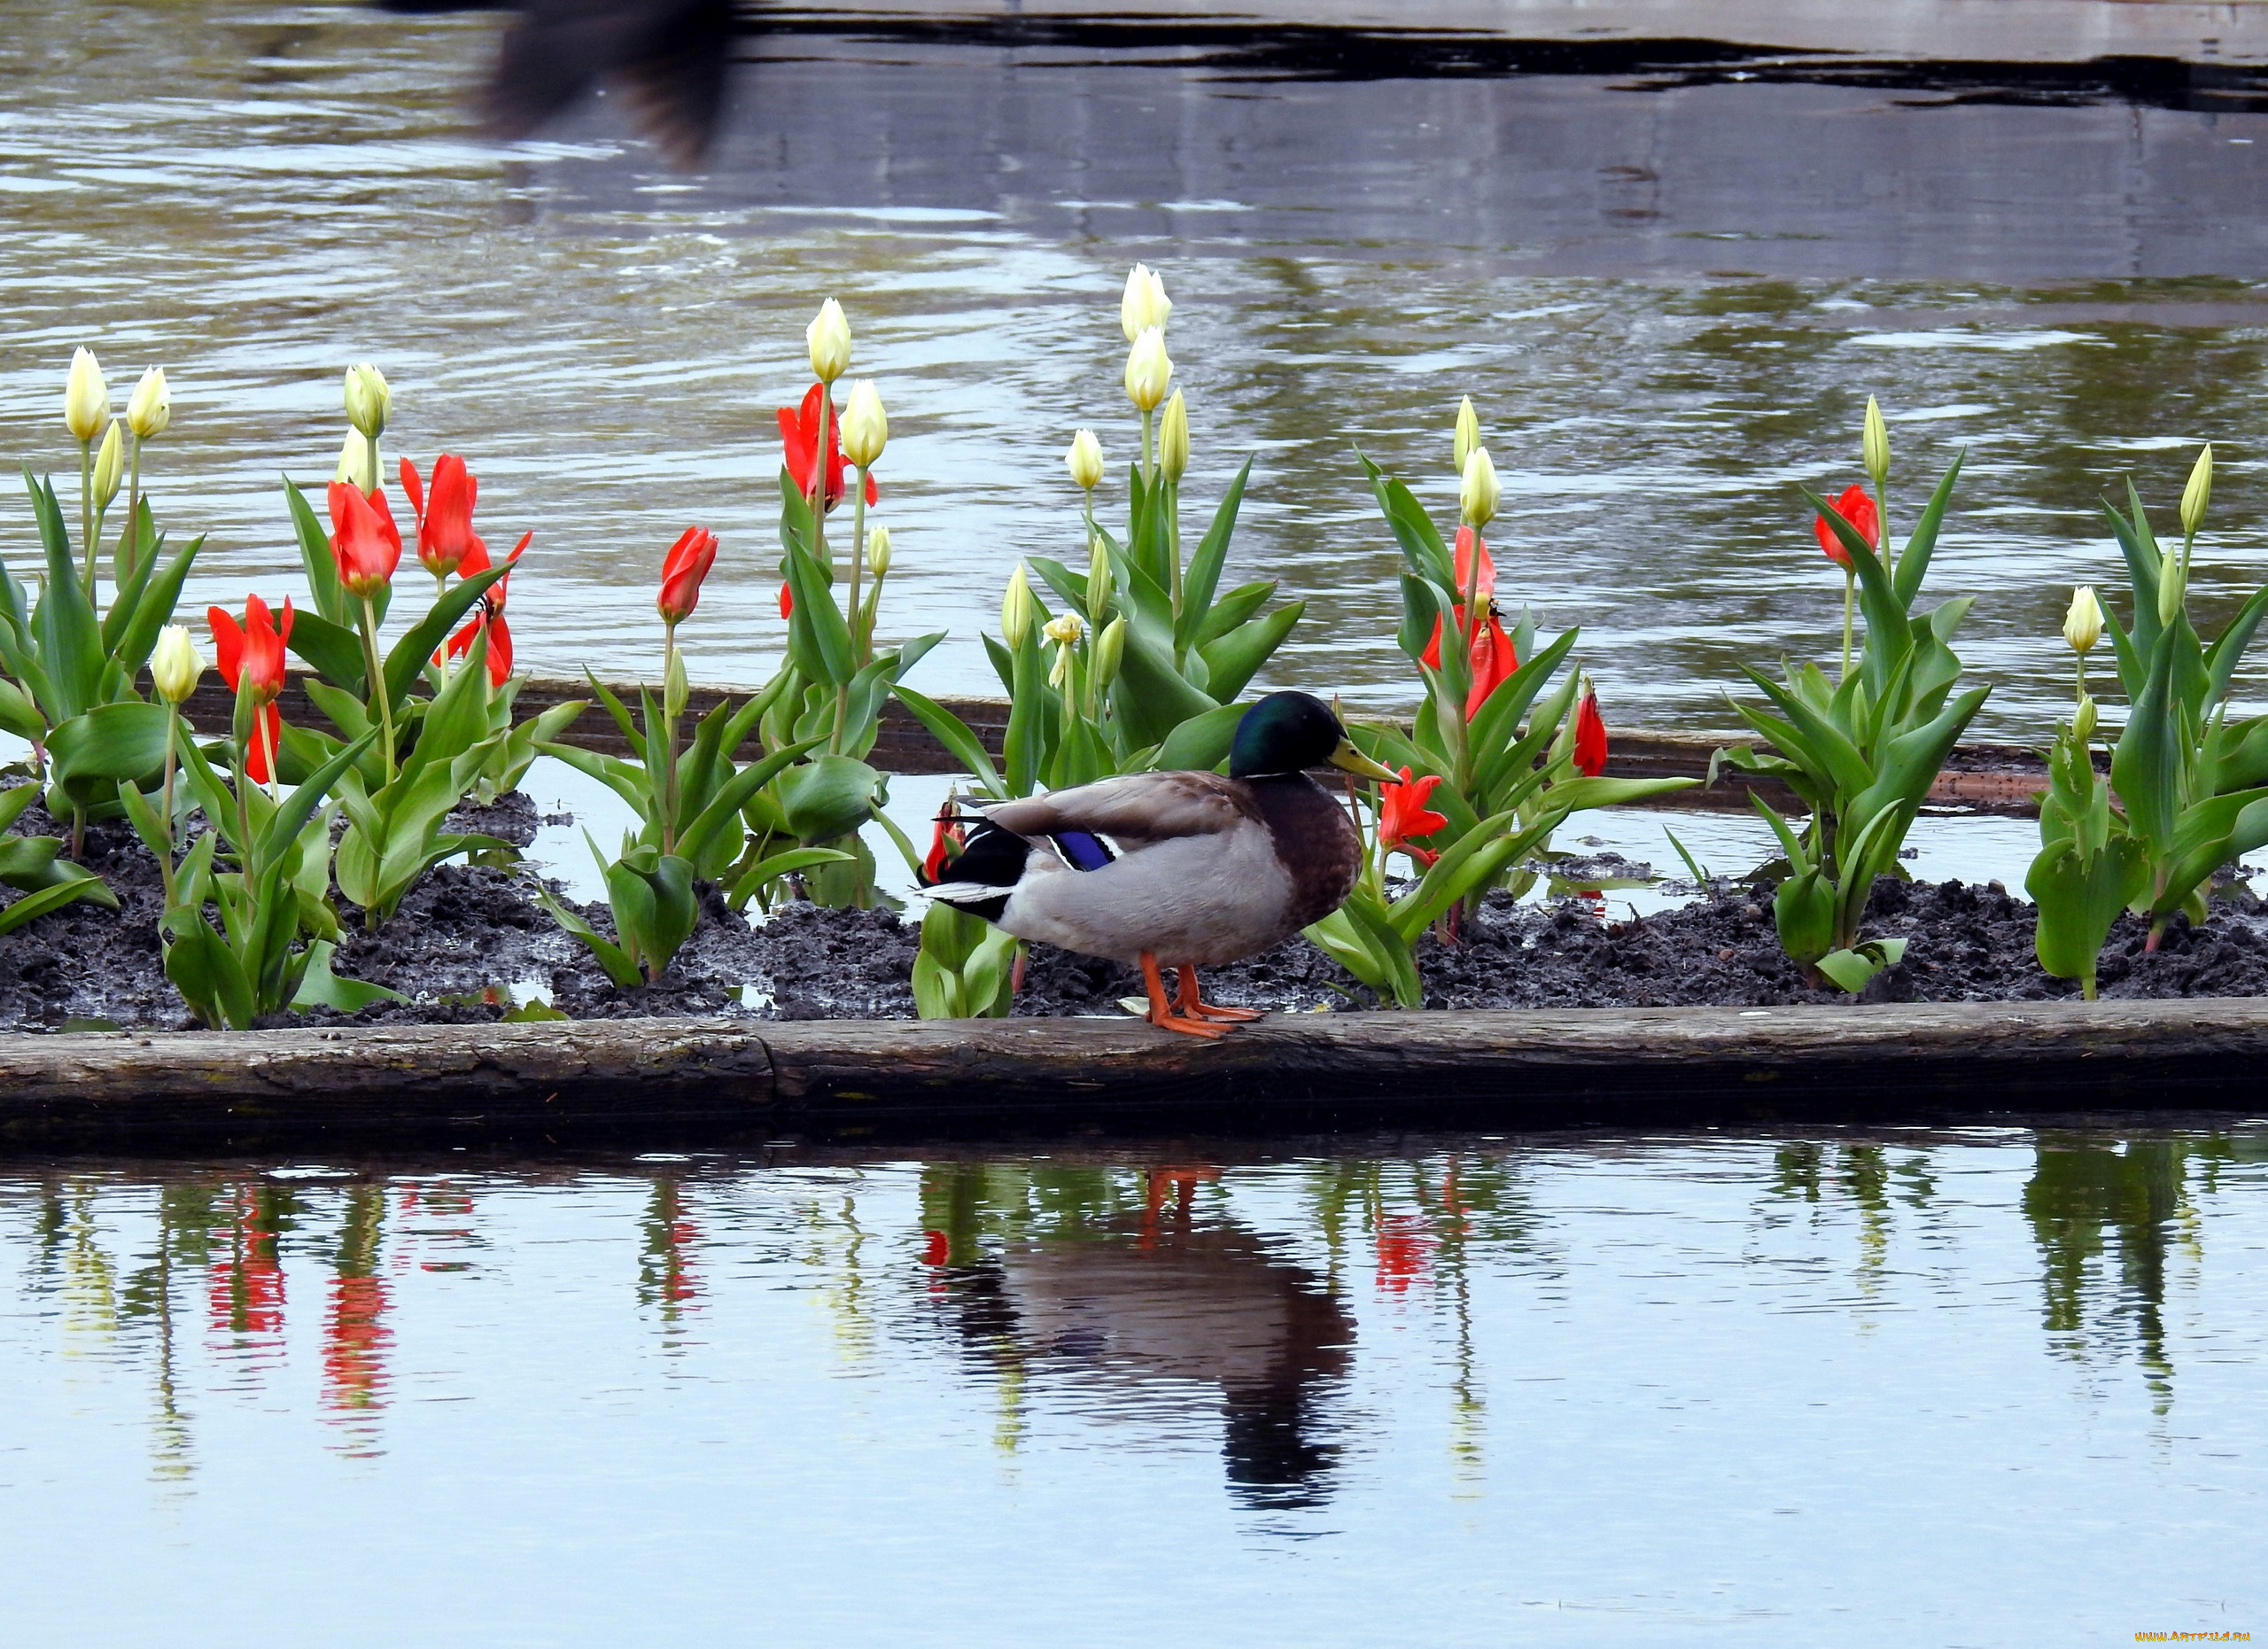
{"points": [[1670, 297], [1988, 1386]]}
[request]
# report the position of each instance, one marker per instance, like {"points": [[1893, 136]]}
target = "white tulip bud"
{"points": [[2083, 624], [2198, 494], [353, 458], [1874, 445], [86, 398], [151, 409], [1144, 304], [878, 553], [1098, 581], [1173, 438], [369, 400], [829, 338], [1468, 433], [176, 664], [866, 431], [1084, 460], [110, 467], [1110, 651], [1480, 494], [1148, 371], [1016, 609]]}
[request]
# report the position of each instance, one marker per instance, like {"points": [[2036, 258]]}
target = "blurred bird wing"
{"points": [[1133, 808]]}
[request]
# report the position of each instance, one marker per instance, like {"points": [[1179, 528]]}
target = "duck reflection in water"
{"points": [[1167, 1299]]}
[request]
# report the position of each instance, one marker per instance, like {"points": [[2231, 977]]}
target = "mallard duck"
{"points": [[1178, 870]]}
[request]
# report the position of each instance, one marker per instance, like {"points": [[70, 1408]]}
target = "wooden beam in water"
{"points": [[659, 1080]]}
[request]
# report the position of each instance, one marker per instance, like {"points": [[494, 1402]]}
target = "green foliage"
{"points": [[28, 864], [254, 963], [651, 895], [965, 968], [2089, 867], [1863, 753], [2193, 785]]}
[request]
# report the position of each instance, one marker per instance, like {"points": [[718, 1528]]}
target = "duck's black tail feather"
{"points": [[978, 880]]}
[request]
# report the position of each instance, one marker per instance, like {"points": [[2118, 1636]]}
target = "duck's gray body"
{"points": [[1210, 869]]}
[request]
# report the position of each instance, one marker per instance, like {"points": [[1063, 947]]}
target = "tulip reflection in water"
{"points": [[668, 1284], [1127, 1306], [356, 1337]]}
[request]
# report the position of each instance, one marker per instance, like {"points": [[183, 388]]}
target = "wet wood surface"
{"points": [[659, 1080], [1980, 778]]}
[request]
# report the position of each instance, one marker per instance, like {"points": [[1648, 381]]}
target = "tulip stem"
{"points": [[859, 644], [381, 695], [86, 510], [1850, 589], [1173, 544], [668, 798], [1149, 447], [166, 801], [440, 589], [127, 558], [370, 466], [819, 445]]}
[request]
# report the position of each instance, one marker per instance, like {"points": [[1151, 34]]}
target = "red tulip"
{"points": [[787, 600], [1590, 737], [364, 541], [414, 490], [445, 528], [945, 843], [687, 563], [489, 611], [1403, 814], [251, 656], [1493, 655], [799, 443], [1858, 509]]}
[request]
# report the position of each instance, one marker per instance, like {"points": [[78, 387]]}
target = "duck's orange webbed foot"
{"points": [[1165, 1016], [1190, 1004]]}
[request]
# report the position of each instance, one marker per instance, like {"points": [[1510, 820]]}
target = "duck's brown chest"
{"points": [[1316, 841]]}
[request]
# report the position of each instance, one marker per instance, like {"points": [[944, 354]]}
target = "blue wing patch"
{"points": [[1082, 851]]}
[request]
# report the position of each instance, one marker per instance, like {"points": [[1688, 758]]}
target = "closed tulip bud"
{"points": [[1479, 498], [1873, 445], [86, 397], [878, 553], [1110, 651], [1148, 371], [829, 338], [2171, 589], [1173, 438], [2198, 494], [1144, 304], [866, 431], [151, 407], [1084, 460], [176, 664], [1016, 609], [2083, 624], [369, 400], [1098, 581], [1468, 432], [110, 467], [2084, 723], [353, 458]]}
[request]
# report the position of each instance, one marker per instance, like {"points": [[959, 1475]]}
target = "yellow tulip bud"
{"points": [[1873, 445], [353, 458], [151, 407], [1085, 460], [86, 398], [1468, 432], [1144, 304], [110, 467], [1098, 581], [369, 400], [2198, 494], [2083, 624], [829, 338], [1480, 494], [1016, 609], [866, 431], [2084, 723], [1148, 371], [1173, 438], [176, 664], [878, 553], [1110, 651]]}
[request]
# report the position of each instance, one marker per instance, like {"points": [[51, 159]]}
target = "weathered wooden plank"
{"points": [[666, 1079], [1981, 778]]}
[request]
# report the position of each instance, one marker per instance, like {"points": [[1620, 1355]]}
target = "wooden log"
{"points": [[658, 1081], [1980, 778]]}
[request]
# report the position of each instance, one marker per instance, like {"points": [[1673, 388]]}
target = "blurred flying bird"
{"points": [[667, 59]]}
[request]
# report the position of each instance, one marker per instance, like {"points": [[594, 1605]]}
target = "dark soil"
{"points": [[468, 935]]}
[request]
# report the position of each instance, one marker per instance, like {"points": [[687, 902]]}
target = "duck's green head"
{"points": [[1290, 733]]}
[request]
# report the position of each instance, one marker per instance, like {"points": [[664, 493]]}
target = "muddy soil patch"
{"points": [[470, 940]]}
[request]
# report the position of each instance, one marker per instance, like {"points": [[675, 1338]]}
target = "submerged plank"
{"points": [[670, 1079]]}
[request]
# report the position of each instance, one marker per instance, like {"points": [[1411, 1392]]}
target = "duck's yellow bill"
{"points": [[1354, 761]]}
